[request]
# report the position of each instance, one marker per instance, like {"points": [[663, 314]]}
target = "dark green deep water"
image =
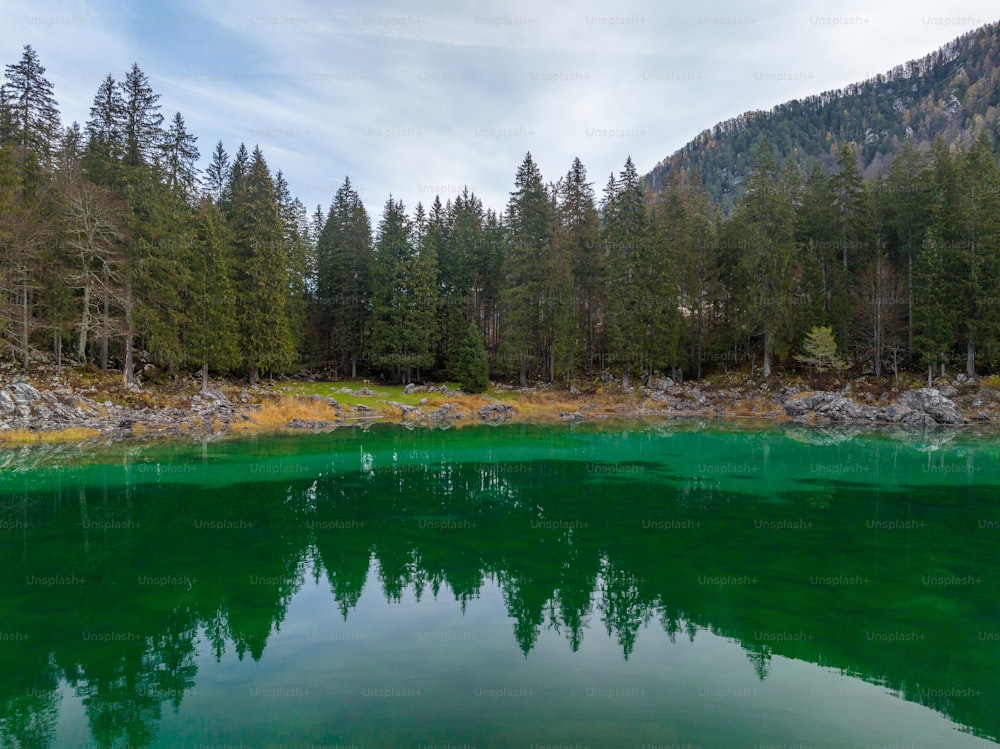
{"points": [[677, 585]]}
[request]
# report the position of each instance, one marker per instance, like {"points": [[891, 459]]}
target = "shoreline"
{"points": [[73, 412]]}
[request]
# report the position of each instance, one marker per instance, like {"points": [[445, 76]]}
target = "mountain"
{"points": [[953, 92]]}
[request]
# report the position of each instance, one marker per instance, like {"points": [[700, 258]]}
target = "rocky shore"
{"points": [[31, 408]]}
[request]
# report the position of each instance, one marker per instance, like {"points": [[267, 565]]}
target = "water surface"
{"points": [[681, 585]]}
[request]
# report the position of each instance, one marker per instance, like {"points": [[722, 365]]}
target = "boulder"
{"points": [[933, 403]]}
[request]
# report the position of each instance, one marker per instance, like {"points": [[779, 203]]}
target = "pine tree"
{"points": [[907, 215], [141, 119], [344, 259], [626, 233], [404, 295], [211, 337], [105, 139], [217, 174], [30, 108], [266, 340], [976, 254], [579, 240], [528, 234], [180, 156], [934, 321], [689, 221], [765, 225], [472, 370]]}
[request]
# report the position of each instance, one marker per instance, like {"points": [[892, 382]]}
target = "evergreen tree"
{"points": [[625, 232], [31, 113], [211, 337], [141, 119], [688, 217], [404, 298], [180, 156], [907, 215], [528, 228], [266, 340], [977, 270], [934, 323], [217, 174], [473, 368], [105, 138], [765, 223], [579, 240], [344, 259]]}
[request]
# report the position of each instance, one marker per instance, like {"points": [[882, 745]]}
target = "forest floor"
{"points": [[79, 404]]}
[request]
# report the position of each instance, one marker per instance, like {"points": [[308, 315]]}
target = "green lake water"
{"points": [[674, 585]]}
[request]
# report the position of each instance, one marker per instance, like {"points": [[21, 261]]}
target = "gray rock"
{"points": [[933, 403], [407, 411], [496, 412], [311, 424]]}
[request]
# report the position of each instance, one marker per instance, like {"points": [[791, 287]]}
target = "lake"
{"points": [[680, 584]]}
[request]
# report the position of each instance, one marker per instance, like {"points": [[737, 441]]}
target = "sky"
{"points": [[419, 99]]}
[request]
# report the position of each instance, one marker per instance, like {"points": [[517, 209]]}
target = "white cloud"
{"points": [[411, 98]]}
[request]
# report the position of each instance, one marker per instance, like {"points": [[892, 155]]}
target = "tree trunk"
{"points": [[127, 375], [909, 322], [524, 371], [252, 375], [24, 325], [970, 359], [204, 373], [354, 366], [767, 354], [930, 375], [81, 346], [105, 324], [625, 377]]}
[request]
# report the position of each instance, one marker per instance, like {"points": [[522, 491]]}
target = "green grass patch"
{"points": [[383, 393]]}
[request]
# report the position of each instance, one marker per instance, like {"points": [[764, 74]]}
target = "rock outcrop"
{"points": [[926, 407]]}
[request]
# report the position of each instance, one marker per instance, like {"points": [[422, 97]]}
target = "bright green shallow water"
{"points": [[680, 585]]}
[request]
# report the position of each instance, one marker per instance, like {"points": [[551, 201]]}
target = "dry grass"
{"points": [[275, 414], [752, 408], [55, 436]]}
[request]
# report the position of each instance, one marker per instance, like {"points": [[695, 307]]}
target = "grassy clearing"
{"points": [[55, 436], [383, 393]]}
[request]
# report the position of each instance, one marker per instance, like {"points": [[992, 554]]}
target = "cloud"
{"points": [[415, 100]]}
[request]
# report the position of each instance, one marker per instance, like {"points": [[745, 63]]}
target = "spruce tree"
{"points": [[404, 295], [528, 235], [210, 339], [266, 340], [30, 110], [217, 173], [472, 370], [625, 232], [141, 119], [580, 229], [344, 259], [764, 225], [180, 156]]}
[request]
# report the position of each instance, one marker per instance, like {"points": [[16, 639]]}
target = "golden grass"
{"points": [[55, 436], [275, 414]]}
